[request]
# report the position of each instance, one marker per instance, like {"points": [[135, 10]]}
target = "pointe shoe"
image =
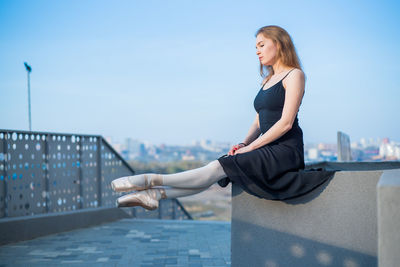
{"points": [[141, 198], [136, 182]]}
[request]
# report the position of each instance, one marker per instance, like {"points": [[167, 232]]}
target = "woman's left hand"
{"points": [[243, 150]]}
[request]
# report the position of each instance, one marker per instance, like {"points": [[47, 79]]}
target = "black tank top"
{"points": [[269, 106]]}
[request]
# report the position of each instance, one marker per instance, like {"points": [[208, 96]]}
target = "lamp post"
{"points": [[29, 69]]}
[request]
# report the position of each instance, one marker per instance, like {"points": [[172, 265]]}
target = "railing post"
{"points": [[5, 174], [79, 162], [46, 171], [134, 212], [160, 210], [173, 210], [99, 174]]}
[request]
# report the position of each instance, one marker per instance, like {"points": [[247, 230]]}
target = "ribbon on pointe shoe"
{"points": [[137, 182], [156, 180]]}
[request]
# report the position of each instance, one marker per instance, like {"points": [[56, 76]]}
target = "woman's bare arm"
{"points": [[254, 131]]}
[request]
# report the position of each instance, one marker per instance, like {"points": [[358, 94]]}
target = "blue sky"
{"points": [[177, 71]]}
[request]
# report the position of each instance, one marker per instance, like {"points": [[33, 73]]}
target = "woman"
{"points": [[266, 165]]}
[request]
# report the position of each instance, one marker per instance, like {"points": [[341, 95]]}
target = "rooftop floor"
{"points": [[128, 242]]}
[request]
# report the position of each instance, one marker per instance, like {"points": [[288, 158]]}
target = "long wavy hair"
{"points": [[286, 50]]}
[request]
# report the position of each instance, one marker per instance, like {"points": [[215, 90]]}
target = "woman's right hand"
{"points": [[234, 148]]}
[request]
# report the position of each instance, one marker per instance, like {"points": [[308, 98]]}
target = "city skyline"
{"points": [[367, 140], [130, 69], [379, 149]]}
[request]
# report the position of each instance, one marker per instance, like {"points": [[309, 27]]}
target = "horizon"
{"points": [[123, 140]]}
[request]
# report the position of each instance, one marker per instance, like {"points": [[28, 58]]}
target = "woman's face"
{"points": [[266, 50]]}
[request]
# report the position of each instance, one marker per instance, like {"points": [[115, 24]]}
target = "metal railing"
{"points": [[42, 172]]}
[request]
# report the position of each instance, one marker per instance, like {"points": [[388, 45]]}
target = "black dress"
{"points": [[276, 170]]}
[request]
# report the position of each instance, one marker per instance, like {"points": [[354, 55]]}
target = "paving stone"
{"points": [[128, 242]]}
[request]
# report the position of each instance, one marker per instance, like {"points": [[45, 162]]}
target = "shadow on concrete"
{"points": [[291, 250], [310, 195]]}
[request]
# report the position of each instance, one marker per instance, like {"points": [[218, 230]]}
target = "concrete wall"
{"points": [[30, 227], [389, 219], [335, 225]]}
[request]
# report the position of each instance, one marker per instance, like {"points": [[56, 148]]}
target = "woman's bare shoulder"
{"points": [[295, 76], [296, 73]]}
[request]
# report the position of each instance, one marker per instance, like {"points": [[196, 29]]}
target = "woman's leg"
{"points": [[197, 178], [149, 198], [194, 179]]}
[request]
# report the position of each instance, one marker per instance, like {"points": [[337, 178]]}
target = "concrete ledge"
{"points": [[335, 225], [29, 227], [389, 218], [356, 166]]}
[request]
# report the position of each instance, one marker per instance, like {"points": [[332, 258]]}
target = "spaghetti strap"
{"points": [[287, 74], [277, 82]]}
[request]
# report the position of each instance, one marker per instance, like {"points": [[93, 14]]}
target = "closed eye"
{"points": [[260, 43]]}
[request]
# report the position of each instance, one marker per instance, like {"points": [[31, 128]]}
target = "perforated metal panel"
{"points": [[24, 173], [64, 173], [90, 173], [53, 172], [3, 193], [112, 168]]}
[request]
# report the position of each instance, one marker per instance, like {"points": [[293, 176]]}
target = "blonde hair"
{"points": [[286, 50]]}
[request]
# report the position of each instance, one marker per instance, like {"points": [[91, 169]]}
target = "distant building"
{"points": [[389, 150], [343, 147], [133, 148], [313, 154]]}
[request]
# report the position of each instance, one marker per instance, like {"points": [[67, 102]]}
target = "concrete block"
{"points": [[389, 219], [334, 225]]}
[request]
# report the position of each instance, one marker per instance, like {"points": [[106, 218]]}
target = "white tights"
{"points": [[189, 182], [197, 178]]}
